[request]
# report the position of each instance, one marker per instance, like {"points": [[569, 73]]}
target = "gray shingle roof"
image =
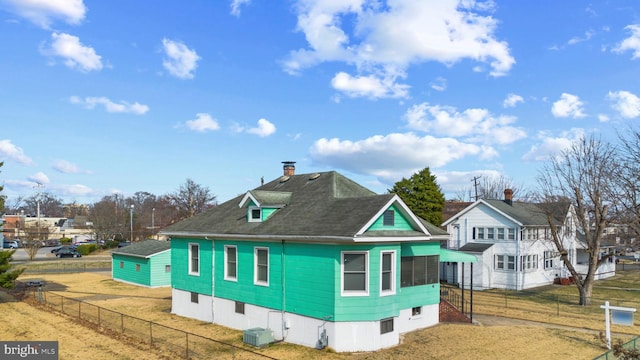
{"points": [[530, 214], [328, 205], [475, 247], [144, 248]]}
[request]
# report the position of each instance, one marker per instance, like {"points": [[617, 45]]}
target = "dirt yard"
{"points": [[445, 341]]}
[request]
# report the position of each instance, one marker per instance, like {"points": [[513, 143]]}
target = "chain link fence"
{"points": [[170, 342]]}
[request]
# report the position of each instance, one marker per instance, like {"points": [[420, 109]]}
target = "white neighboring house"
{"points": [[512, 242]]}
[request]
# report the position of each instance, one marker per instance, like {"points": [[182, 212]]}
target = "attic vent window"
{"points": [[255, 214], [285, 178], [314, 176], [388, 218]]}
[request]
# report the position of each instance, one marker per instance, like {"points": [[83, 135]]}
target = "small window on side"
{"points": [[194, 297], [137, 267], [239, 307], [416, 311], [167, 268], [121, 264], [389, 218]]}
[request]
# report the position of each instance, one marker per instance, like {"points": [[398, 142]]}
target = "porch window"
{"points": [[419, 270]]}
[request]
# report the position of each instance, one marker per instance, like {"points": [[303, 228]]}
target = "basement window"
{"points": [[386, 326], [239, 307], [416, 311], [194, 297]]}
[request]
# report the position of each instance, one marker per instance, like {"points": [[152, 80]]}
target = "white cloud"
{"points": [[386, 40], [202, 123], [39, 178], [390, 155], [110, 106], [603, 117], [264, 128], [75, 190], [631, 43], [439, 84], [368, 86], [74, 54], [626, 103], [512, 100], [587, 35], [236, 5], [9, 151], [67, 167], [477, 125], [44, 12], [550, 146], [180, 61], [569, 105]]}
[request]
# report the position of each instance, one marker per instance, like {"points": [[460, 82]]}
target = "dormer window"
{"points": [[388, 218], [255, 214]]}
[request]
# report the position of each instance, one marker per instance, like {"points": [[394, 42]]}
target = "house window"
{"points": [[389, 218], [167, 268], [194, 257], [387, 276], [121, 264], [481, 233], [231, 263], [528, 262], [505, 262], [418, 270], [500, 233], [490, 232], [386, 326], [137, 267], [548, 259], [511, 234], [416, 311], [255, 214], [239, 307], [261, 259], [194, 297], [355, 273]]}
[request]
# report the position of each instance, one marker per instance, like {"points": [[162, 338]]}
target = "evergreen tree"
{"points": [[422, 195], [6, 276]]}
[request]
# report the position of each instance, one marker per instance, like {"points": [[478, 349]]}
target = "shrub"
{"points": [[111, 244], [65, 241], [86, 249]]}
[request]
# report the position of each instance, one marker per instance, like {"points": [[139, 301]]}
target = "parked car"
{"points": [[10, 244], [56, 249], [68, 252]]}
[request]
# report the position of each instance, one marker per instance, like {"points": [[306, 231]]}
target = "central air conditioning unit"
{"points": [[257, 337]]}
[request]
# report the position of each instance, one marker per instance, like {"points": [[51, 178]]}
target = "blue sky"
{"points": [[119, 96]]}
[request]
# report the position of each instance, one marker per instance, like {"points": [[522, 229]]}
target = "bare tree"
{"points": [[583, 175], [192, 199], [49, 205], [491, 187], [628, 209]]}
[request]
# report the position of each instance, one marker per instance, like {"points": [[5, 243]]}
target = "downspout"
{"points": [[517, 260], [284, 293]]}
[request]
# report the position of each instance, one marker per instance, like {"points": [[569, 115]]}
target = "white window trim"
{"points": [[255, 266], [366, 276], [251, 219], [226, 274], [393, 273], [191, 272]]}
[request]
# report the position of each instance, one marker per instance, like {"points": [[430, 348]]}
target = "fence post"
{"points": [[187, 347], [62, 303], [150, 335], [505, 298]]}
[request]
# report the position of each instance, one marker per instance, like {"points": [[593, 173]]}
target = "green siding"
{"points": [[180, 277], [159, 275], [399, 222], [244, 288], [266, 212], [128, 271]]}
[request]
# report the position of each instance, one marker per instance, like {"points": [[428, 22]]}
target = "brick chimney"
{"points": [[508, 196], [289, 168]]}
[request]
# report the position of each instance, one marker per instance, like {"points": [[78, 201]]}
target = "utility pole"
{"points": [[475, 184], [38, 186]]}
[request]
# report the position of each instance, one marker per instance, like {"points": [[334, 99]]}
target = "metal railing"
{"points": [[629, 345]]}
